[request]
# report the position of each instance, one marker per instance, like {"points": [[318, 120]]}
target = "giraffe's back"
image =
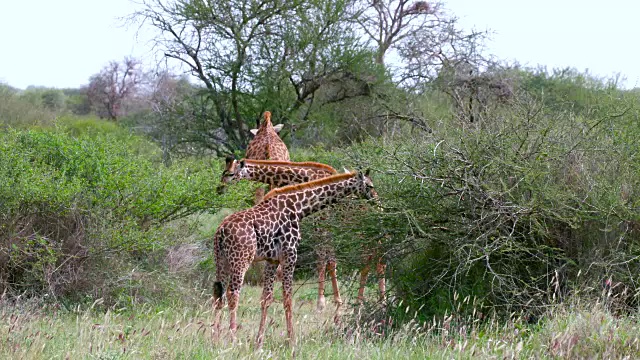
{"points": [[250, 235], [268, 147]]}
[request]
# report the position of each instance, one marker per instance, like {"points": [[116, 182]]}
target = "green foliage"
{"points": [[290, 58], [18, 111], [78, 104], [53, 99], [563, 89], [92, 127], [48, 98], [39, 106], [530, 202], [509, 210], [67, 201]]}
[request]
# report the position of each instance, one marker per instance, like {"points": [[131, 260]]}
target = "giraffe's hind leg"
{"points": [[218, 304], [219, 287], [233, 297]]}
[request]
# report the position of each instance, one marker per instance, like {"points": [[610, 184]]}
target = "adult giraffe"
{"points": [[282, 173], [266, 145], [270, 231]]}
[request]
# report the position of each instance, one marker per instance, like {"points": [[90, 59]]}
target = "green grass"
{"points": [[181, 331], [177, 332]]}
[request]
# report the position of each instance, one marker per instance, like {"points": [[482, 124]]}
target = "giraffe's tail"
{"points": [[217, 290]]}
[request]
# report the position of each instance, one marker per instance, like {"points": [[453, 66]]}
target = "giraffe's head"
{"points": [[229, 169], [235, 170], [365, 186], [241, 171], [238, 171], [227, 173]]}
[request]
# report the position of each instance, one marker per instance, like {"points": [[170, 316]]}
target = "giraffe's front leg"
{"points": [[364, 273], [380, 269], [336, 292], [288, 267], [321, 277], [266, 300]]}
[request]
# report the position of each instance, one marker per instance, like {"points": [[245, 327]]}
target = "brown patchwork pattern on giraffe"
{"points": [[276, 173], [270, 231], [266, 145], [283, 173]]}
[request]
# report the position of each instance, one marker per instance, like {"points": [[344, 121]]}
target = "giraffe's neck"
{"points": [[281, 175], [308, 200]]}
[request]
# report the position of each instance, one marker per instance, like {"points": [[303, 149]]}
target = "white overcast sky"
{"points": [[60, 43]]}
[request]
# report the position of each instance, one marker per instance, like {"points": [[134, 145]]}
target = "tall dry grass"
{"points": [[572, 330]]}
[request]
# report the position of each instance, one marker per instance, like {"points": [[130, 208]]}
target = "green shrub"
{"points": [[508, 211], [70, 202], [18, 111]]}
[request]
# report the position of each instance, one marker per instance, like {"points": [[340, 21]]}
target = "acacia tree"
{"points": [[389, 22], [293, 58], [434, 53], [251, 55], [423, 36], [113, 86]]}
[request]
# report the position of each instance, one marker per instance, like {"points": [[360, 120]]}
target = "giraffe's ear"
{"points": [[364, 175], [278, 127], [242, 163], [254, 131]]}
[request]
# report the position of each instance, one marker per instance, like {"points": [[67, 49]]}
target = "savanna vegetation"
{"points": [[510, 221]]}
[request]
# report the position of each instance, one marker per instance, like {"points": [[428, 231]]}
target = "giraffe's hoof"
{"points": [[259, 342], [321, 304]]}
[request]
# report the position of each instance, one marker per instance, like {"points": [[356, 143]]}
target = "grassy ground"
{"points": [[183, 332]]}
